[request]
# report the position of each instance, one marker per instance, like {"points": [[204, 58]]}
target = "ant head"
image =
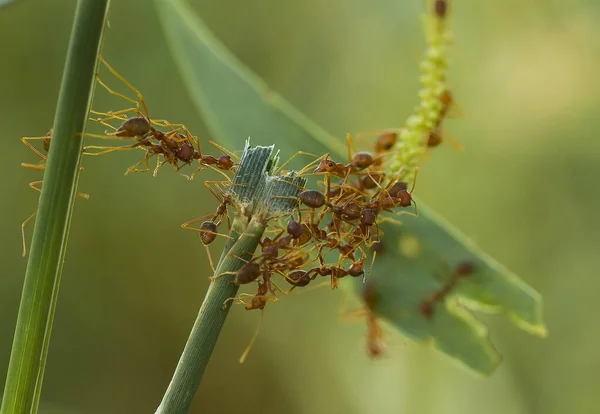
{"points": [[426, 309], [464, 268], [270, 250], [326, 165], [368, 216], [357, 269], [446, 99], [185, 153], [47, 142], [440, 8], [378, 247], [434, 139], [294, 228], [396, 188]]}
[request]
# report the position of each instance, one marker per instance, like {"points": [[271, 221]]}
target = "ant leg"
{"points": [[451, 140], [107, 150], [210, 260], [41, 167], [350, 143], [23, 232], [368, 272], [34, 185], [388, 219], [25, 140], [167, 124], [377, 183], [238, 299], [219, 171], [215, 277], [83, 195], [251, 344], [120, 95], [159, 165], [108, 136], [187, 224], [130, 86], [311, 164], [145, 160], [120, 114], [278, 170], [224, 150], [283, 180]]}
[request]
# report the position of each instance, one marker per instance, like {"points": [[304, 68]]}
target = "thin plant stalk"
{"points": [[257, 197], [42, 278], [210, 320]]}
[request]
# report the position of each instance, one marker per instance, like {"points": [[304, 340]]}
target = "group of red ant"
{"points": [[339, 219]]}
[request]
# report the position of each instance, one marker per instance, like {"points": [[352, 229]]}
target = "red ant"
{"points": [[36, 185], [461, 271], [375, 345], [175, 145], [440, 8]]}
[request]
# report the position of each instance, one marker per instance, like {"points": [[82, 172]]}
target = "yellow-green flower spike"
{"points": [[434, 98]]}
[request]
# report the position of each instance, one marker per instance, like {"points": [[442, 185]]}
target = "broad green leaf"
{"points": [[236, 104], [418, 259]]}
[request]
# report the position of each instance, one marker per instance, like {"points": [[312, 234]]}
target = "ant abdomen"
{"points": [[247, 274], [385, 141], [134, 127], [208, 232], [185, 153], [312, 198], [362, 160], [298, 278]]}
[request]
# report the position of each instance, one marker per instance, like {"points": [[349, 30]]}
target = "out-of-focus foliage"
{"points": [[4, 3], [523, 190], [236, 103]]}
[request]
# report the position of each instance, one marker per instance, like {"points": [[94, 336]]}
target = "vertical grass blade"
{"points": [[42, 278]]}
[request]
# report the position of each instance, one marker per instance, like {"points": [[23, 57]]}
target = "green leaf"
{"points": [[236, 104], [4, 3], [429, 249]]}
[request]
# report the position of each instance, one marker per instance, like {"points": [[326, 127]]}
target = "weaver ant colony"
{"points": [[333, 231], [331, 235]]}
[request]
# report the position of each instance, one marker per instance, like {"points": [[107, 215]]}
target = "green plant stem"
{"points": [[38, 301], [213, 312]]}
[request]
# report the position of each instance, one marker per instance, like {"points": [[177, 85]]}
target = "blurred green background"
{"points": [[525, 75]]}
